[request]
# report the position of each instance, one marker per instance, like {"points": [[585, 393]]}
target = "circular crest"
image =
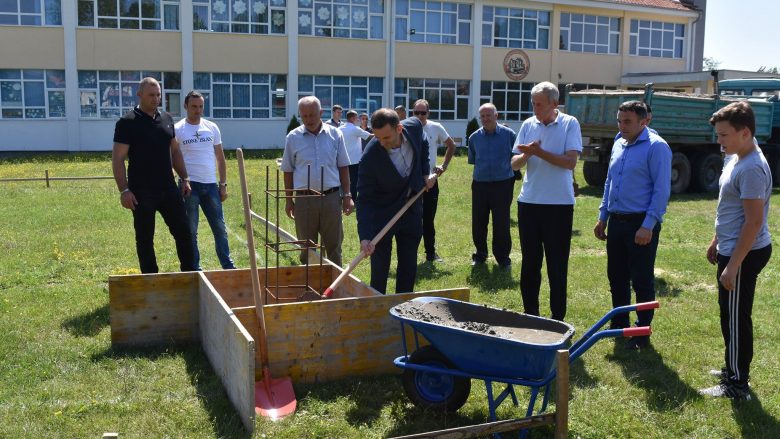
{"points": [[516, 64]]}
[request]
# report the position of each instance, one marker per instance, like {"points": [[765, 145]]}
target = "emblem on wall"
{"points": [[516, 64]]}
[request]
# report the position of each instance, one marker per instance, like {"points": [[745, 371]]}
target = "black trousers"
{"points": [[545, 232], [491, 198], [430, 204], [170, 204], [736, 312], [629, 264], [353, 179], [407, 233]]}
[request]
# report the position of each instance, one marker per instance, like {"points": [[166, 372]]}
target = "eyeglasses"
{"points": [[420, 113]]}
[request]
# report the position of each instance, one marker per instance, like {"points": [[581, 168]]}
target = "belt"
{"points": [[625, 217], [310, 192]]}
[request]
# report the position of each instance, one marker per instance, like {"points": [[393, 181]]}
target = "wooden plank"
{"points": [[235, 286], [337, 338], [480, 430], [150, 309], [562, 395], [230, 350]]}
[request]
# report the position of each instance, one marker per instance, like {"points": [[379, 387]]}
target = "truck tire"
{"points": [[595, 173], [708, 168], [681, 173]]}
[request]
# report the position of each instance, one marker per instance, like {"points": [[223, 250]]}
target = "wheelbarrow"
{"points": [[470, 341]]}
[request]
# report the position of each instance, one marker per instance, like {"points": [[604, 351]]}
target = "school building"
{"points": [[70, 68]]}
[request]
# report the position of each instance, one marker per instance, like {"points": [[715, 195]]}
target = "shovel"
{"points": [[274, 398], [329, 291]]}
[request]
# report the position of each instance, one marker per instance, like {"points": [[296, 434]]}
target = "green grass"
{"points": [[59, 376]]}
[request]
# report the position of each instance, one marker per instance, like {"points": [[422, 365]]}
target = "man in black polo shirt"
{"points": [[145, 137]]}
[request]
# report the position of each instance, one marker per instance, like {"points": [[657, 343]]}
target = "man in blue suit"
{"points": [[394, 168]]}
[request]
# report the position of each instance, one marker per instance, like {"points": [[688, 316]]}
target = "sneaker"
{"points": [[637, 343], [728, 389], [721, 374], [505, 267], [434, 257], [475, 263]]}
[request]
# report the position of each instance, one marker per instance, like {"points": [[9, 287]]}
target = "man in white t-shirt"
{"points": [[201, 143], [436, 135], [549, 143], [353, 140]]}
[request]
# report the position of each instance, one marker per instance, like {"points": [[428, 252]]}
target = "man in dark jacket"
{"points": [[394, 168]]}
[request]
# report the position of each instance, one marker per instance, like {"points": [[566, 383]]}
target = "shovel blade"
{"points": [[275, 398]]}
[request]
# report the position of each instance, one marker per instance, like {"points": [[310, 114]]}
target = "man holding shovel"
{"points": [[394, 168]]}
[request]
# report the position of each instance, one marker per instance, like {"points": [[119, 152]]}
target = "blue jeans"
{"points": [[206, 195]]}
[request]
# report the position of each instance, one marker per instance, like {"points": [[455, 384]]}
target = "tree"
{"points": [[472, 126], [293, 124], [766, 69], [710, 63]]}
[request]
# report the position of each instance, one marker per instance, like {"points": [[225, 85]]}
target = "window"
{"points": [[242, 95], [423, 21], [32, 94], [129, 14], [240, 16], [657, 39], [360, 93], [511, 98], [512, 27], [341, 18], [31, 12], [589, 33], [108, 94], [448, 98]]}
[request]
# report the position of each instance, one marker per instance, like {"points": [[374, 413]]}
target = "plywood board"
{"points": [[332, 339], [235, 286], [153, 309], [230, 350]]}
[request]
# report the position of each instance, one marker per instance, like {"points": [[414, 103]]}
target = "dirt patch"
{"points": [[485, 320]]}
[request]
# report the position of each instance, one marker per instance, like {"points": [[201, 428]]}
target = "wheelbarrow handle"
{"points": [[647, 305], [640, 331]]}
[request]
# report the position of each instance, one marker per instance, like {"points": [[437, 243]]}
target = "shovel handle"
{"points": [[329, 291]]}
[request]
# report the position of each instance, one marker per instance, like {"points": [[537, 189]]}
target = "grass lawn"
{"points": [[59, 376]]}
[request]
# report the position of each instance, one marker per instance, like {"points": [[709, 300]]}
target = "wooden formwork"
{"points": [[349, 335]]}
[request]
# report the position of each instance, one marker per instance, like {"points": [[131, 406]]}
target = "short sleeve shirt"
{"points": [[436, 135], [353, 135], [748, 178], [149, 155], [197, 144], [543, 182], [323, 153]]}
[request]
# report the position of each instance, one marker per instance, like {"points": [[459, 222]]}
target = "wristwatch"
{"points": [[348, 194]]}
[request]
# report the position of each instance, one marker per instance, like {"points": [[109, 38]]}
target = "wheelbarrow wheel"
{"points": [[431, 390]]}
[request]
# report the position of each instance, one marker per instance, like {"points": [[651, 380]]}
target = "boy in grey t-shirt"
{"points": [[742, 245]]}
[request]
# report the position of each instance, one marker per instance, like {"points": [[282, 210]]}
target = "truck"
{"points": [[682, 119]]}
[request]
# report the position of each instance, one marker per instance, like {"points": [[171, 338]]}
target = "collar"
{"points": [[644, 135], [142, 113], [554, 121], [306, 130]]}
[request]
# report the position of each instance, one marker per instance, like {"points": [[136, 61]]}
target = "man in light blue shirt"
{"points": [[549, 143], [490, 151], [636, 193]]}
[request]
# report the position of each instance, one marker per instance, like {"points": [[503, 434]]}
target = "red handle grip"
{"points": [[647, 305], [328, 293], [637, 332]]}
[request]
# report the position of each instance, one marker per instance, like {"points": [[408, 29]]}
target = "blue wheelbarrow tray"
{"points": [[480, 340]]}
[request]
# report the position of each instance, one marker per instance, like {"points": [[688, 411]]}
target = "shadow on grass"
{"points": [[646, 369], [431, 270], [490, 278], [224, 419], [753, 420], [579, 376], [663, 289], [89, 324]]}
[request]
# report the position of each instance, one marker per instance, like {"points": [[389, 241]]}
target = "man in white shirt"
{"points": [[201, 142], [436, 135], [315, 165], [353, 140]]}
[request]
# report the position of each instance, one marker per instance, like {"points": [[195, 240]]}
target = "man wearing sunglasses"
{"points": [[436, 135]]}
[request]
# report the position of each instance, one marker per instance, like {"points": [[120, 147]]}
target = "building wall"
{"points": [[341, 57], [223, 52], [111, 49], [31, 48]]}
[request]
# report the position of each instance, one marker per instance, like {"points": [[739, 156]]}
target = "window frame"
{"points": [[310, 12], [171, 96], [567, 43], [273, 8], [523, 92], [407, 90], [490, 16], [352, 83], [48, 91], [638, 27], [254, 79], [402, 20], [118, 18], [42, 15]]}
